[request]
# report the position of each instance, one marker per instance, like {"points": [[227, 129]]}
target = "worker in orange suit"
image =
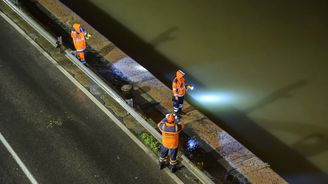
{"points": [[79, 36], [170, 128], [179, 88]]}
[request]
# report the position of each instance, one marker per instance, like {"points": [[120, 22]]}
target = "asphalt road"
{"points": [[59, 134]]}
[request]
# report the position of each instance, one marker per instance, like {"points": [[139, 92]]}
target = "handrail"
{"points": [[54, 42], [185, 161]]}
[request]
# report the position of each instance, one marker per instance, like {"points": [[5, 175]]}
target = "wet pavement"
{"points": [[48, 122], [10, 172]]}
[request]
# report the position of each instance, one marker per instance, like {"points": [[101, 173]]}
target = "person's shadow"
{"points": [[164, 36], [312, 144], [283, 92]]}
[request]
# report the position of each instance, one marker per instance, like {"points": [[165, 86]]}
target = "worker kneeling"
{"points": [[170, 128]]}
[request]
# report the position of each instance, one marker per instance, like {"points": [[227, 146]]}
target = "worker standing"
{"points": [[79, 35], [179, 88], [170, 128]]}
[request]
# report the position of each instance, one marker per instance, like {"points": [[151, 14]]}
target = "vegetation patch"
{"points": [[151, 142]]}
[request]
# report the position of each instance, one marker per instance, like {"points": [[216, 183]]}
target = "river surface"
{"points": [[261, 68]]}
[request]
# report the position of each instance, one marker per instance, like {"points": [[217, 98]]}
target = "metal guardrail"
{"points": [[53, 41], [185, 161]]}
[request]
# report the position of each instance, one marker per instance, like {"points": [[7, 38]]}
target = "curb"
{"points": [[185, 161], [54, 42]]}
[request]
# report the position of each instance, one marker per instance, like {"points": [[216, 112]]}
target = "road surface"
{"points": [[55, 129]]}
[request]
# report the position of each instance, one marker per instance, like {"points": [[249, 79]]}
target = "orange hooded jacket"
{"points": [[78, 36], [179, 85]]}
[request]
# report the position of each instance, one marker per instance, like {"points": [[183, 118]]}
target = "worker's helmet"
{"points": [[170, 118], [180, 74], [77, 27]]}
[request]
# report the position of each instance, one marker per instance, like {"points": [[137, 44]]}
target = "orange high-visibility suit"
{"points": [[170, 139], [179, 85], [179, 89], [78, 35]]}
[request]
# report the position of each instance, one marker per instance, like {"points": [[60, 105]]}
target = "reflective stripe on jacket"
{"points": [[78, 40], [179, 87], [170, 133]]}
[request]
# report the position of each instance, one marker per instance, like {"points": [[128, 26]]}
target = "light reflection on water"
{"points": [[259, 50], [213, 98]]}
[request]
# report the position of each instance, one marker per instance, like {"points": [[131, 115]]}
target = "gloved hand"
{"points": [[189, 87], [88, 36], [177, 119]]}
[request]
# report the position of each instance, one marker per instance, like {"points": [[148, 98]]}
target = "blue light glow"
{"points": [[140, 68], [212, 97], [192, 144]]}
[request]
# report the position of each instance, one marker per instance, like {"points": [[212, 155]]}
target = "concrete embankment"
{"points": [[234, 156], [88, 85]]}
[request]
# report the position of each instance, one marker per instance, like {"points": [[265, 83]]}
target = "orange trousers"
{"points": [[81, 56]]}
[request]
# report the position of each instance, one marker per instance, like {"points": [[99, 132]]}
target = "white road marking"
{"points": [[92, 98], [18, 160], [3, 140]]}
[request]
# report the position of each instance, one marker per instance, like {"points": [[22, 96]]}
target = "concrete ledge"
{"points": [[127, 123], [237, 158], [184, 160]]}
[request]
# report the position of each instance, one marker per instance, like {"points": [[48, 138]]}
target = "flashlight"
{"points": [[88, 36], [190, 87]]}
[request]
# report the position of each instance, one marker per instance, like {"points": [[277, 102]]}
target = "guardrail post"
{"points": [[127, 94], [59, 41]]}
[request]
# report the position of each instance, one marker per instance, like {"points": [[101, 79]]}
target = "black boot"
{"points": [[173, 168], [161, 165], [180, 113]]}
